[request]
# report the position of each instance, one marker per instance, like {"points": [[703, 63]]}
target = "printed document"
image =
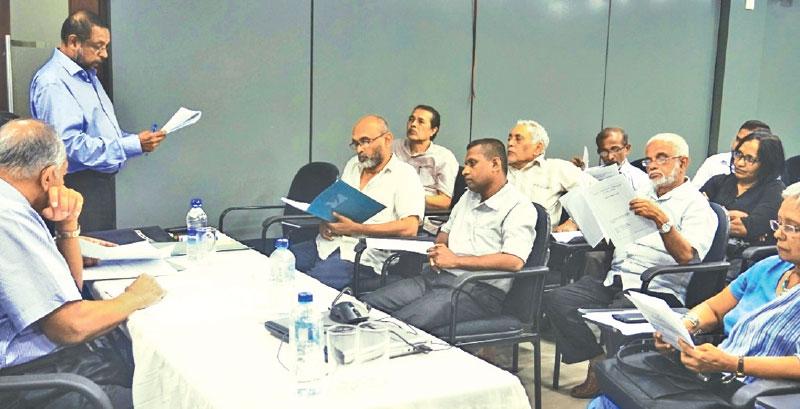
{"points": [[603, 172], [181, 119], [662, 318]]}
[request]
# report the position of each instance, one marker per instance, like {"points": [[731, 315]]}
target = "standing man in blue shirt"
{"points": [[66, 94]]}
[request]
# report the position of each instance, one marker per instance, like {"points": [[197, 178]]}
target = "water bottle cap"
{"points": [[305, 297], [282, 244], [197, 202]]}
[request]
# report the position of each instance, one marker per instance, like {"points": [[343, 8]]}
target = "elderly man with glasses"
{"points": [[686, 226], [66, 94], [379, 174]]}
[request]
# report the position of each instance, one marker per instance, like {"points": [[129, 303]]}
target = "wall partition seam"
{"points": [[719, 76], [472, 66], [605, 68], [311, 86]]}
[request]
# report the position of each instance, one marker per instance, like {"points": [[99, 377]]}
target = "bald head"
{"points": [[27, 146], [372, 142], [371, 122]]}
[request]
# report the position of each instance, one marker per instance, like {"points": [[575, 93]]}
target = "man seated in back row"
{"points": [[382, 176], [45, 326], [686, 227], [492, 227]]}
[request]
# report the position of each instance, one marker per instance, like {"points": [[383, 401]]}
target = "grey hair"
{"points": [[537, 131], [792, 191], [27, 146], [677, 142]]}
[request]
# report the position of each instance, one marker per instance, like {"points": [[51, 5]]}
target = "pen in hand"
{"points": [[154, 128]]}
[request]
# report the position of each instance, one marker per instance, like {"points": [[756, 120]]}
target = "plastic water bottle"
{"points": [[195, 219], [306, 338], [283, 262]]}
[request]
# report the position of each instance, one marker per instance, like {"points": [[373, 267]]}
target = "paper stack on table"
{"points": [[126, 261]]}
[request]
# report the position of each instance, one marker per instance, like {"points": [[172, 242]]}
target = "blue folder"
{"points": [[345, 200]]}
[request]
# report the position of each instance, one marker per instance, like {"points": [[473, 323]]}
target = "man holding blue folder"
{"points": [[380, 175]]}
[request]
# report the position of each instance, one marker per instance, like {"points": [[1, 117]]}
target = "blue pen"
{"points": [[153, 129]]}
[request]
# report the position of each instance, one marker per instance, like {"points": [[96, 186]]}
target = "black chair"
{"points": [[308, 182], [708, 278], [519, 320], [638, 164], [6, 116], [791, 170], [61, 381]]}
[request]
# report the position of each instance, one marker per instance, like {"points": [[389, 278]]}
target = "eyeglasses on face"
{"points": [[660, 160], [364, 141], [787, 228], [614, 149], [748, 159]]}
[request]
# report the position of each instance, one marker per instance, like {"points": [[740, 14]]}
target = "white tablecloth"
{"points": [[205, 346]]}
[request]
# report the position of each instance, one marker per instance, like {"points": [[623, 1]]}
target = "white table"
{"points": [[205, 346]]}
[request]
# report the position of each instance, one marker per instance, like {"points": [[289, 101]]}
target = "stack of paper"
{"points": [[126, 261]]}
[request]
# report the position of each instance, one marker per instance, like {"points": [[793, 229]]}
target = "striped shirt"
{"points": [[34, 280], [771, 330]]}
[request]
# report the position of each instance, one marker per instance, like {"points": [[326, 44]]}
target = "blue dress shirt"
{"points": [[34, 280], [74, 102]]}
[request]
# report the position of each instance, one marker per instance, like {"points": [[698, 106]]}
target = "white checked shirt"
{"points": [[719, 164], [397, 187], [437, 166]]}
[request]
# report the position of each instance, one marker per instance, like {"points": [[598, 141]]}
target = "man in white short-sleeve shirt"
{"points": [[686, 226], [436, 165], [491, 228], [542, 180], [720, 164], [380, 175]]}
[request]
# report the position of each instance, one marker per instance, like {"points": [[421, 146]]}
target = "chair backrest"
{"points": [[638, 164], [703, 286], [459, 188], [6, 116], [791, 170], [309, 182], [524, 299]]}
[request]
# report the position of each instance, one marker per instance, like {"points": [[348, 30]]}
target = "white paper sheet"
{"points": [[603, 172], [181, 119], [566, 236], [585, 156], [134, 251], [294, 203], [416, 246], [611, 198], [110, 270], [578, 207], [662, 318]]}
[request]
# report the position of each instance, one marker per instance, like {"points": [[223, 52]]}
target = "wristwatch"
{"points": [[666, 227], [694, 320], [740, 367], [68, 234]]}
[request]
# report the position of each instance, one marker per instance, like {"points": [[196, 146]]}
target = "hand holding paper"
{"points": [[181, 119], [663, 319]]}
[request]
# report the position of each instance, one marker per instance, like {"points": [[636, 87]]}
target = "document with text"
{"points": [[662, 318]]}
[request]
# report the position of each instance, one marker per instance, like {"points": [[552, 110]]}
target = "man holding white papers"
{"points": [[686, 226], [45, 326], [436, 165], [382, 176], [613, 148], [542, 180], [492, 227], [66, 94]]}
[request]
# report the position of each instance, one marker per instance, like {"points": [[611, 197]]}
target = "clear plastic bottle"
{"points": [[306, 339], [196, 218], [283, 262]]}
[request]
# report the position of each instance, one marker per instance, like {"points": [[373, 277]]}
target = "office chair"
{"points": [[6, 116], [65, 381], [791, 170], [309, 181], [708, 279], [638, 164]]}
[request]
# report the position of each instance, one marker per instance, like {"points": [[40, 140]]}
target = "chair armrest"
{"points": [[300, 218], [361, 246], [709, 267], [745, 396], [754, 254], [481, 276], [437, 213], [69, 381], [243, 208]]}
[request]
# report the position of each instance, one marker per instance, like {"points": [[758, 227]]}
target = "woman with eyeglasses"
{"points": [[751, 192], [758, 312]]}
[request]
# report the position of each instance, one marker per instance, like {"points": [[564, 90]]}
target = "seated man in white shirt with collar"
{"points": [[436, 165], [380, 175], [613, 148], [542, 180], [720, 164], [492, 227], [686, 224]]}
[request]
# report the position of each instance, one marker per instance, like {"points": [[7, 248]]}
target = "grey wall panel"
{"points": [[385, 57], [246, 66], [541, 60], [660, 70], [779, 91]]}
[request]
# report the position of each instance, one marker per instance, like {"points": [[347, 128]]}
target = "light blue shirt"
{"points": [[34, 280], [74, 102], [755, 287]]}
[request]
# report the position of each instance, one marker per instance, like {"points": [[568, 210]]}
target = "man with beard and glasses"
{"points": [[686, 226], [66, 94], [381, 176]]}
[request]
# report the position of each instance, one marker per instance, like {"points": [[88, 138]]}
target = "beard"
{"points": [[666, 179], [366, 162]]}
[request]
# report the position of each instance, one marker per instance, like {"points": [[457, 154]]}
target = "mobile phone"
{"points": [[630, 318]]}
